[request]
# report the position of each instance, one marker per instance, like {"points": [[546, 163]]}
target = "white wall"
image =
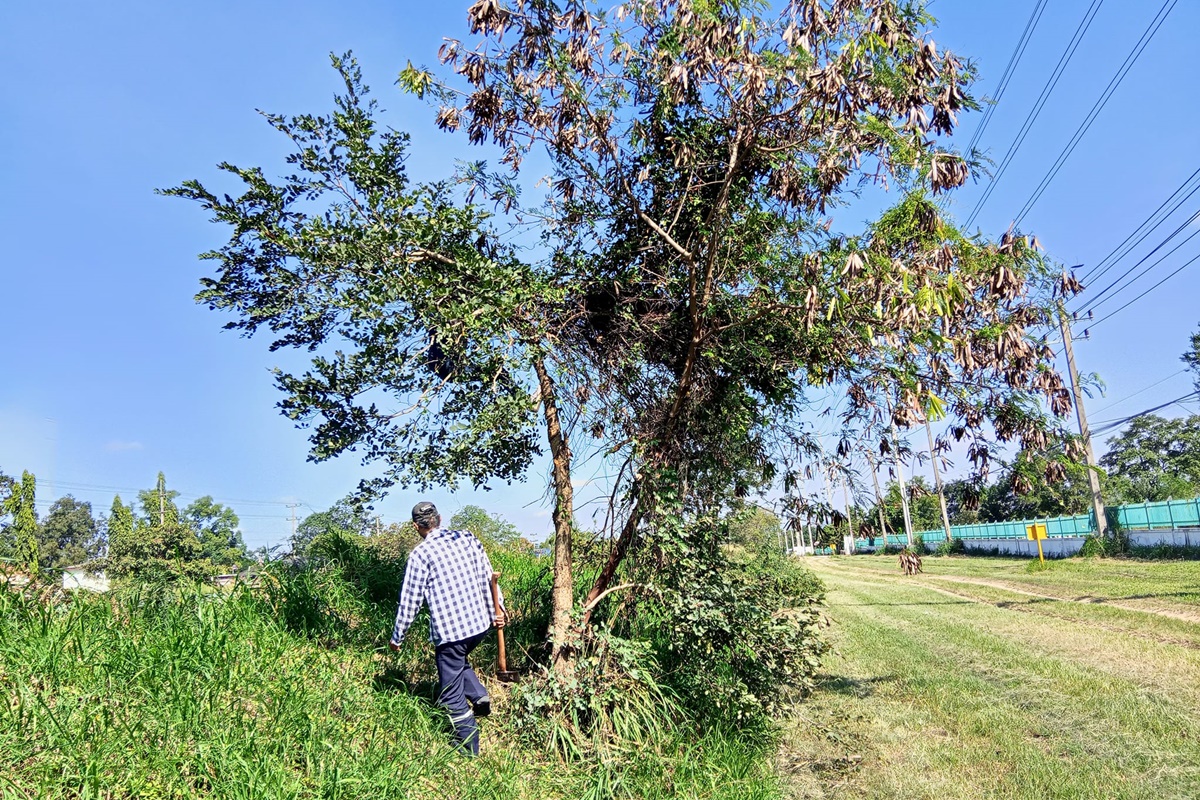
{"points": [[75, 579], [1070, 545]]}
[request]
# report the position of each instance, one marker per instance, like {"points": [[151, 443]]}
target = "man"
{"points": [[450, 571]]}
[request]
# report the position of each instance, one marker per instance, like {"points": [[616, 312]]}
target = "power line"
{"points": [[1112, 258], [1139, 391], [1148, 291], [1018, 51], [70, 486], [1113, 84], [1039, 104], [1100, 300], [1113, 424]]}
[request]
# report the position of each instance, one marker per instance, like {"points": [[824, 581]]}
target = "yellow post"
{"points": [[1037, 532]]}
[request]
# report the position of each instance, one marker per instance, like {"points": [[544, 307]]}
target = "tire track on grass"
{"points": [[924, 580]]}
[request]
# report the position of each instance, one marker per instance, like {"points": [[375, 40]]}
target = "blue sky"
{"points": [[111, 372]]}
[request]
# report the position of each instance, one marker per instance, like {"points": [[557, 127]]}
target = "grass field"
{"points": [[986, 678]]}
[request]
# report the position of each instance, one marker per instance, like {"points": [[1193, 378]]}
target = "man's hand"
{"points": [[501, 619], [394, 645]]}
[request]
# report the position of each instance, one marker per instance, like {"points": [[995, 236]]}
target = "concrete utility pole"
{"points": [[1064, 323], [878, 498], [937, 479], [908, 531], [849, 516]]}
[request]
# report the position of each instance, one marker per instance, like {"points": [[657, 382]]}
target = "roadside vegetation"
{"points": [[285, 689]]}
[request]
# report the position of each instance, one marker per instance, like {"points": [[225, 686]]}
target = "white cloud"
{"points": [[117, 446]]}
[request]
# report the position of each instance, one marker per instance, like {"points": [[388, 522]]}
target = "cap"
{"points": [[424, 513]]}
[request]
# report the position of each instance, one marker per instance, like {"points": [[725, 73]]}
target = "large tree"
{"points": [[216, 526], [491, 529], [69, 534], [344, 516], [689, 283], [158, 504], [1192, 359], [1154, 459], [21, 534], [158, 546]]}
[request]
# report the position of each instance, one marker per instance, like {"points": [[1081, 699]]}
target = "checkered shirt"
{"points": [[451, 572]]}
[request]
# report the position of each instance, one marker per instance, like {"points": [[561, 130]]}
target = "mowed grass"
{"points": [[974, 680], [200, 695]]}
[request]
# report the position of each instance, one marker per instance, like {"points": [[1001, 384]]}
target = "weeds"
{"points": [[286, 691]]}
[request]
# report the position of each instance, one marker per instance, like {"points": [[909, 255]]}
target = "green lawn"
{"points": [[981, 679]]}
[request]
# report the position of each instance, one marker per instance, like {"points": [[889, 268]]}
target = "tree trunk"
{"points": [[563, 590], [614, 559]]}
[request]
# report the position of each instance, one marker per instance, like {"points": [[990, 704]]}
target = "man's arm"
{"points": [[412, 595]]}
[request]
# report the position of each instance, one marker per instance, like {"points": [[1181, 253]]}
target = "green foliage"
{"points": [[22, 533], [1164, 552], [1192, 358], [407, 282], [159, 554], [735, 638], [177, 694], [69, 535], [1154, 459], [1041, 498], [159, 503], [1094, 546], [344, 516], [951, 547], [217, 527], [757, 531], [491, 529], [922, 503], [120, 532], [609, 700], [162, 546]]}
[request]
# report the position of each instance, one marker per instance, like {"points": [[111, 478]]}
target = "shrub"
{"points": [[951, 547], [735, 640], [1093, 546]]}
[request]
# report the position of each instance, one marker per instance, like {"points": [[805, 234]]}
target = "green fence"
{"points": [[1166, 515]]}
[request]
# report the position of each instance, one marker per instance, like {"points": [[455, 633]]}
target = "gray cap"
{"points": [[424, 514]]}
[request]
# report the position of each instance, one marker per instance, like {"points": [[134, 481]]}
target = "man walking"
{"points": [[450, 571]]}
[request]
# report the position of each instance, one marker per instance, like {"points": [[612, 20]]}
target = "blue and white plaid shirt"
{"points": [[451, 571]]}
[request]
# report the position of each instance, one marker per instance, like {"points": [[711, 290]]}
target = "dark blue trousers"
{"points": [[458, 684]]}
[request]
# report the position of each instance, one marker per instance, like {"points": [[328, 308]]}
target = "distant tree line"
{"points": [[151, 539], [1151, 460]]}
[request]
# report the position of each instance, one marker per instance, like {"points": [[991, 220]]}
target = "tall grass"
{"points": [[287, 692]]}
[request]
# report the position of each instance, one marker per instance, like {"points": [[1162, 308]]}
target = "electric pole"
{"points": [[878, 499], [937, 479], [908, 531], [293, 506], [1084, 433], [849, 516]]}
